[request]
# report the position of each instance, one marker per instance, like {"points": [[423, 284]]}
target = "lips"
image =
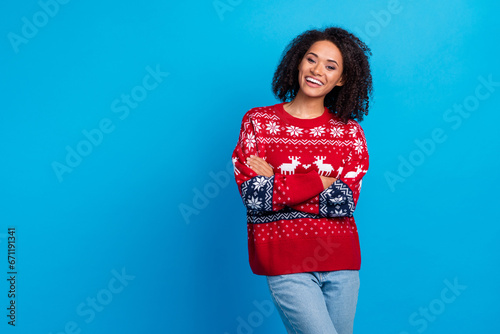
{"points": [[314, 81]]}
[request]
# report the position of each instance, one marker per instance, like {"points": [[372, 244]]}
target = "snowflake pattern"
{"points": [[337, 200], [294, 131], [254, 203], [337, 131], [256, 126], [318, 131], [353, 131], [358, 145], [273, 128], [265, 129], [259, 182], [250, 140], [340, 213]]}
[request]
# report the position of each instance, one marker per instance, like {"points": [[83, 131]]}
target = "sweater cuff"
{"points": [[336, 201]]}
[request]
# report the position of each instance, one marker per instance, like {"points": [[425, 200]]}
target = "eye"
{"points": [[330, 67], [310, 60]]}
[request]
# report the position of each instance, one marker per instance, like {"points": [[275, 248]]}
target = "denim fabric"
{"points": [[316, 302]]}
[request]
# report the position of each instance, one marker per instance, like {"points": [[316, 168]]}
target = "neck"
{"points": [[303, 106]]}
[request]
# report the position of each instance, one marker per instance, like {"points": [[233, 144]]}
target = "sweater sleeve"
{"points": [[261, 193], [340, 199]]}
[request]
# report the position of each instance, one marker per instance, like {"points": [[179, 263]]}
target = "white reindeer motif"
{"points": [[236, 171], [341, 168], [323, 168], [354, 174], [290, 168]]}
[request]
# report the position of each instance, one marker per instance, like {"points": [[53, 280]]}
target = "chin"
{"points": [[309, 93]]}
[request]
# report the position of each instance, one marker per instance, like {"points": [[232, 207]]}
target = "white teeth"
{"points": [[314, 81]]}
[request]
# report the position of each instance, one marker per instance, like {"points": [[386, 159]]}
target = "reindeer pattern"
{"points": [[323, 169], [289, 168], [332, 169]]}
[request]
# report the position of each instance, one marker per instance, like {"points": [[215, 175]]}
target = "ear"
{"points": [[341, 82]]}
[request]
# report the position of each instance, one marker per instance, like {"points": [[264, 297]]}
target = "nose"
{"points": [[316, 70]]}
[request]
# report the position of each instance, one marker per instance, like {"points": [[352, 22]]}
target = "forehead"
{"points": [[327, 50]]}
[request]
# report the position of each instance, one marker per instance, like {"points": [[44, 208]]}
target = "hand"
{"points": [[260, 166], [327, 181]]}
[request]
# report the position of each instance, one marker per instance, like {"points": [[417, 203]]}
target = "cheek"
{"points": [[334, 79], [302, 70]]}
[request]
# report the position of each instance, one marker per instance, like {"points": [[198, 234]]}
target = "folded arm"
{"points": [[268, 192], [341, 197]]}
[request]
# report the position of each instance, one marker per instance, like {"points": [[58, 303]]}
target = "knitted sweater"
{"points": [[294, 224]]}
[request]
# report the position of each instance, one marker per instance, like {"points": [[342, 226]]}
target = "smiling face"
{"points": [[320, 69]]}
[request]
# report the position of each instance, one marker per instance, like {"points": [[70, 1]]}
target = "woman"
{"points": [[298, 166]]}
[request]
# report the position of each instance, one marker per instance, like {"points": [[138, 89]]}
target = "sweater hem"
{"points": [[306, 255]]}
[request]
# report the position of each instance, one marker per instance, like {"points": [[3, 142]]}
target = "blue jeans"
{"points": [[316, 302]]}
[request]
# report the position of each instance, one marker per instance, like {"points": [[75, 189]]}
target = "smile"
{"points": [[314, 81]]}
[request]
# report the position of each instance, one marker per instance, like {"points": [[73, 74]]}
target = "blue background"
{"points": [[120, 208]]}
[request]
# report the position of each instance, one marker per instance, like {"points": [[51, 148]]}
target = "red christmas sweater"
{"points": [[294, 225]]}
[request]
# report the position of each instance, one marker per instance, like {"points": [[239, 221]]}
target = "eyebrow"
{"points": [[333, 61]]}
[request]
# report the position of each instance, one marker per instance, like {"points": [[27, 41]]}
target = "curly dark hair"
{"points": [[349, 101]]}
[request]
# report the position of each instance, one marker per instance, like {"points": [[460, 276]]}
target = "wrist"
{"points": [[327, 181]]}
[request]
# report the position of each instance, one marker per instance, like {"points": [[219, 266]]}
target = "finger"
{"points": [[266, 172], [255, 158], [259, 164], [258, 168], [256, 161], [266, 167], [261, 169], [259, 161]]}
